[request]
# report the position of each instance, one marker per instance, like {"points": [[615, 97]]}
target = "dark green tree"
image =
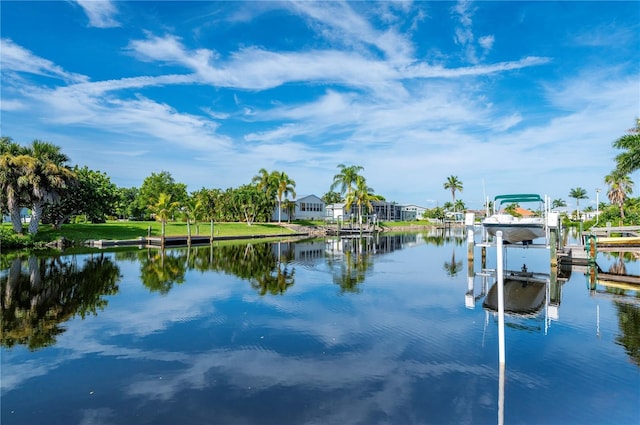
{"points": [[156, 184], [332, 197], [92, 194]]}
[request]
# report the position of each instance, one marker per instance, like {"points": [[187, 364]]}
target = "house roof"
{"points": [[523, 212]]}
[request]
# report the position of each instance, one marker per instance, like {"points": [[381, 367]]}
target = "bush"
{"points": [[11, 240]]}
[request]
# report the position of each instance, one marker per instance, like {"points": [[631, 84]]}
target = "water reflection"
{"points": [[239, 333], [38, 294]]}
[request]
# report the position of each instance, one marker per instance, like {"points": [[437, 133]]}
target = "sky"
{"points": [[510, 97]]}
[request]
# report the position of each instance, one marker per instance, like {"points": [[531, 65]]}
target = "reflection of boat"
{"points": [[524, 294], [514, 229]]}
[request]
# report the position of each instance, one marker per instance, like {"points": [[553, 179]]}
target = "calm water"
{"points": [[392, 331]]}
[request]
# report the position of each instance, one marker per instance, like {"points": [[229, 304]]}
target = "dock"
{"points": [[180, 241]]}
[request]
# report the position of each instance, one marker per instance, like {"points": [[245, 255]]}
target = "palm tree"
{"points": [[13, 159], [265, 182], [284, 186], [629, 161], [346, 178], [290, 208], [163, 210], [558, 203], [47, 174], [453, 184], [577, 194], [362, 195], [192, 210], [620, 185]]}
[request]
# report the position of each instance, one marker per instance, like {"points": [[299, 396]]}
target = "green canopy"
{"points": [[517, 198]]}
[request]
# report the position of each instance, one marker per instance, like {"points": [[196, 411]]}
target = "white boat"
{"points": [[516, 229]]}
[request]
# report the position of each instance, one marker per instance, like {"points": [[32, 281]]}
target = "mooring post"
{"points": [[468, 221], [553, 247], [500, 283]]}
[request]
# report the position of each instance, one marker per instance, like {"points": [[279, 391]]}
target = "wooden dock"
{"points": [[181, 241]]}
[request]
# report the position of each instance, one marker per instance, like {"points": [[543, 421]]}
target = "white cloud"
{"points": [[101, 13], [18, 59], [486, 42]]}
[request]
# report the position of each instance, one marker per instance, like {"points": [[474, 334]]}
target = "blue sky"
{"points": [[508, 96]]}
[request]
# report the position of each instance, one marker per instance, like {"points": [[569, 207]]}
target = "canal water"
{"points": [[393, 329]]}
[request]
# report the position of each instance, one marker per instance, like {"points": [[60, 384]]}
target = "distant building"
{"points": [[412, 212], [25, 216], [308, 207]]}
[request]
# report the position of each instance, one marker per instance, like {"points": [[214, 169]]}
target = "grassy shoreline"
{"points": [[78, 233]]}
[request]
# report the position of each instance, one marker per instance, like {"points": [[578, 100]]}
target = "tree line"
{"points": [[38, 177]]}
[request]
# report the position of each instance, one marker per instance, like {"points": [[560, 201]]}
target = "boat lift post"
{"points": [[500, 283]]}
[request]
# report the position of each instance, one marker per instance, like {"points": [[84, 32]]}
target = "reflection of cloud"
{"points": [[363, 355], [97, 416]]}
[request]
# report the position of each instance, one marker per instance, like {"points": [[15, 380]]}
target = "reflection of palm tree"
{"points": [[160, 271], [629, 325], [619, 267], [275, 285], [453, 268], [353, 268], [53, 291]]}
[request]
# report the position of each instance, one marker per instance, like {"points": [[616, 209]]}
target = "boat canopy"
{"points": [[517, 198]]}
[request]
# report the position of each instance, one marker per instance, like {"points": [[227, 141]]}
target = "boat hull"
{"points": [[516, 232]]}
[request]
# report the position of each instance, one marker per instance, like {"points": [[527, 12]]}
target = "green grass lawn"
{"points": [[120, 230]]}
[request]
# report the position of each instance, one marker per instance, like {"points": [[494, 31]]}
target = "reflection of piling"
{"points": [[553, 246], [483, 256]]}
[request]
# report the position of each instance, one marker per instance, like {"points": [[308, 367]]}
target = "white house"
{"points": [[336, 212], [308, 207], [412, 212]]}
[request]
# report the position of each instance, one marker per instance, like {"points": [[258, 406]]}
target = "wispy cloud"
{"points": [[101, 13], [16, 58], [464, 35]]}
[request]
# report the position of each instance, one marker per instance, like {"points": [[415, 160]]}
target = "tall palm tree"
{"points": [[362, 196], [346, 178], [48, 174], [629, 161], [578, 193], [284, 186], [454, 185], [193, 210], [558, 203], [620, 185], [265, 182], [13, 181]]}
